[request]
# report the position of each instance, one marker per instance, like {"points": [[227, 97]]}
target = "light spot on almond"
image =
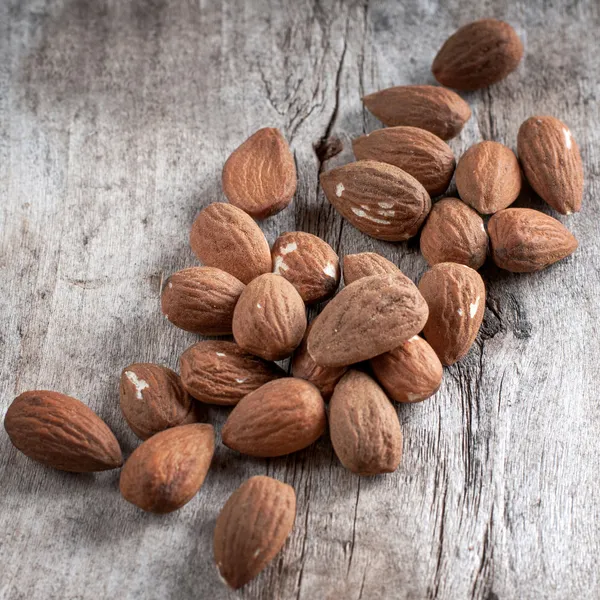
{"points": [[385, 204], [568, 139], [330, 270], [220, 353], [241, 380], [413, 397], [288, 248], [139, 384], [339, 189], [258, 305], [460, 312], [414, 338], [170, 285], [473, 308], [361, 213], [279, 264]]}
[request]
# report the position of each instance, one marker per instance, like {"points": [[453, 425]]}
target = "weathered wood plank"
{"points": [[115, 120]]}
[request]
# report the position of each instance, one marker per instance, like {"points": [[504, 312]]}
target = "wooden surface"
{"points": [[115, 121]]}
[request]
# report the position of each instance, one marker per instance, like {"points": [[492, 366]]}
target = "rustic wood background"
{"points": [[115, 121]]}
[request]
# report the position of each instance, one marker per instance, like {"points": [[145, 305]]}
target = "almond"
{"points": [[61, 432], [552, 163], [455, 295], [153, 399], [368, 317], [308, 263], [304, 367], [225, 237], [455, 233], [435, 109], [252, 528], [488, 177], [525, 240], [418, 152], [166, 472], [280, 417], [217, 372], [260, 176], [365, 431], [478, 55], [270, 318], [409, 373], [380, 200], [365, 264], [201, 300]]}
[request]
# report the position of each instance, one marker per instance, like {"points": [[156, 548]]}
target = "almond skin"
{"points": [[201, 300], [478, 55], [61, 432], [308, 263], [304, 367], [552, 163], [488, 177], [282, 416], [364, 426], [252, 528], [412, 372], [368, 317], [365, 264], [418, 152], [270, 318], [260, 176], [435, 109], [153, 399], [225, 237], [166, 472], [380, 200], [455, 295], [218, 372], [455, 233], [525, 240]]}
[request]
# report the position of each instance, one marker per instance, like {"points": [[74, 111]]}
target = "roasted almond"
{"points": [[308, 263], [61, 432], [304, 367], [525, 240], [409, 373], [280, 417], [368, 317], [552, 163], [455, 295], [252, 528], [478, 55], [260, 176], [153, 399], [166, 472], [270, 318], [218, 372], [418, 152], [365, 264], [225, 237], [380, 200], [435, 109], [364, 426], [488, 177], [455, 233], [201, 300]]}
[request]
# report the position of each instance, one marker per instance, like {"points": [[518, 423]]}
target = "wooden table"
{"points": [[115, 121]]}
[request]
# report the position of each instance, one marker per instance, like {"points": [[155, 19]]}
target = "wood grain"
{"points": [[115, 121]]}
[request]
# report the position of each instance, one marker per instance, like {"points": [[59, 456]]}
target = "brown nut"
{"points": [[455, 233], [270, 318]]}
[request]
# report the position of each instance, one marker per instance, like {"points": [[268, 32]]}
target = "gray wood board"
{"points": [[115, 121]]}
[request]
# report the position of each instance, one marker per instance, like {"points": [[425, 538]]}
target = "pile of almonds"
{"points": [[364, 348]]}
